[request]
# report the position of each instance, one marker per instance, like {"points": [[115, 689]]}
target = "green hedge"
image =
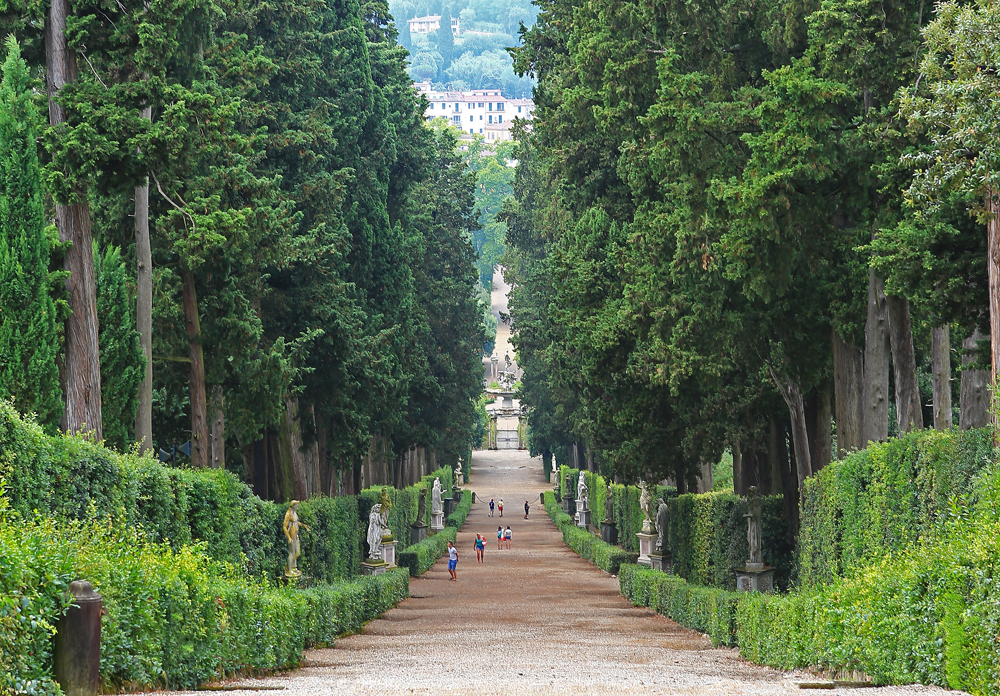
{"points": [[419, 558], [627, 513], [594, 549], [708, 610], [70, 478], [884, 498], [175, 617], [708, 538], [457, 518]]}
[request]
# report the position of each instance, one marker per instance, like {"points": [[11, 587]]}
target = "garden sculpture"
{"points": [[662, 526], [375, 532], [645, 501], [385, 505], [436, 505], [290, 526], [609, 506], [754, 520], [581, 492]]}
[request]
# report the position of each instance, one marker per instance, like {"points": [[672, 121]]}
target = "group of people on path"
{"points": [[499, 506], [504, 537]]}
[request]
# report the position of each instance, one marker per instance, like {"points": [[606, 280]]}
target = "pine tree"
{"points": [[122, 359], [28, 338], [446, 41]]}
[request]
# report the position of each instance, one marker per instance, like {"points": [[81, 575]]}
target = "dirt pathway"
{"points": [[536, 619]]}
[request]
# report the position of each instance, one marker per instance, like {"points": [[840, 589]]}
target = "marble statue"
{"points": [[609, 505], [290, 526], [437, 507], [581, 491], [375, 532], [754, 520], [458, 474], [385, 503], [662, 526], [422, 506], [645, 500]]}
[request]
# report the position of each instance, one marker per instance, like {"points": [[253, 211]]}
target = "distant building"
{"points": [[425, 25], [484, 112]]}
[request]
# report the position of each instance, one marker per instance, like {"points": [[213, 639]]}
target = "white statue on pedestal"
{"points": [[459, 477], [437, 507], [662, 526], [644, 500], [581, 492], [375, 532]]}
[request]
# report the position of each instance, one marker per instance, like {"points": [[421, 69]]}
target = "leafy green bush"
{"points": [[419, 558], [175, 617], [457, 518], [708, 538], [884, 498], [706, 609], [605, 556]]}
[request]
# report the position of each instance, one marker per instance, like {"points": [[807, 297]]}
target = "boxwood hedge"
{"points": [[593, 548], [419, 558]]}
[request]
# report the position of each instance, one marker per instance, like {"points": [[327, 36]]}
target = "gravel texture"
{"points": [[536, 619]]}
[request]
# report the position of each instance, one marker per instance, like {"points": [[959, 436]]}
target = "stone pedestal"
{"points": [[609, 532], [569, 505], [583, 519], [373, 567], [418, 532], [437, 521], [755, 577], [662, 561], [646, 542], [449, 506], [389, 552], [456, 493]]}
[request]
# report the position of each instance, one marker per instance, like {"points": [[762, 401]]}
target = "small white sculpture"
{"points": [[644, 500], [662, 526], [375, 532], [459, 477], [581, 491], [437, 507]]}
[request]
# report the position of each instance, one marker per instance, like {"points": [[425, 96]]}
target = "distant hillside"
{"points": [[475, 56]]}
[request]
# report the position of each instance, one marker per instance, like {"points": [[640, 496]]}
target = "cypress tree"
{"points": [[28, 338]]}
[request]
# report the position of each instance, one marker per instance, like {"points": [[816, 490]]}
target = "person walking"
{"points": [[480, 547], [500, 507], [492, 505], [452, 561], [500, 537], [506, 536], [526, 508]]}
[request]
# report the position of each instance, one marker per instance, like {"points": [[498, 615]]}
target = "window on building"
{"points": [[499, 106], [480, 105], [480, 130], [471, 117], [491, 118], [499, 119], [480, 117], [519, 109], [470, 131]]}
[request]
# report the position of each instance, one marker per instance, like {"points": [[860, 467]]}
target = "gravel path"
{"points": [[536, 619]]}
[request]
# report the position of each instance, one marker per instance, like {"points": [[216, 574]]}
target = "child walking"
{"points": [[506, 536], [500, 507], [452, 561]]}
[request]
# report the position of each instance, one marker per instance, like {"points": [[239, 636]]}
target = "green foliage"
{"points": [[462, 508], [29, 341], [707, 610], [122, 361], [708, 538], [419, 558], [605, 556], [175, 618], [884, 499]]}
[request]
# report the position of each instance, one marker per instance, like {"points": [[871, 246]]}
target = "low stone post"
{"points": [[77, 654]]}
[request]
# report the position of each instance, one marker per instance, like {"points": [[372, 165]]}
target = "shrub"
{"points": [[708, 610], [175, 617], [457, 518], [419, 558], [605, 556], [884, 498]]}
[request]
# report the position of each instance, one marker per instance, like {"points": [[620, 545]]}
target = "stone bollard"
{"points": [[77, 654], [541, 498], [473, 497]]}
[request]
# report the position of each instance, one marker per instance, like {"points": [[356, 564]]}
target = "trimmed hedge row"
{"points": [[175, 617], [605, 556], [419, 558], [627, 513], [71, 478], [884, 498], [708, 538], [705, 609]]}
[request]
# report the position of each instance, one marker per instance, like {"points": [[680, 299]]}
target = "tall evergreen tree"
{"points": [[28, 336]]}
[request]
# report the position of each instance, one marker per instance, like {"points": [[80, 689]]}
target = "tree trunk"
{"points": [[83, 357], [848, 381], [792, 395], [820, 435], [876, 404], [777, 455], [993, 263], [974, 400], [738, 488], [909, 415], [196, 385], [144, 311], [941, 376], [217, 451]]}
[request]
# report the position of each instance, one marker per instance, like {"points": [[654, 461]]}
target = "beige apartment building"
{"points": [[483, 112]]}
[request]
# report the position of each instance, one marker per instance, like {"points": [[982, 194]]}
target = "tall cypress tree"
{"points": [[28, 338]]}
